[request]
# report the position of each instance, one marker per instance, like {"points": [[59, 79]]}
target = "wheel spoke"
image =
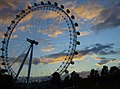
{"points": [[52, 32]]}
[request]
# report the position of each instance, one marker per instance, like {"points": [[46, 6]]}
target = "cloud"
{"points": [[117, 61], [70, 4], [44, 60], [14, 36], [52, 31], [14, 61], [48, 48], [36, 61], [88, 10], [57, 55], [55, 34], [96, 48], [104, 61], [95, 57], [94, 51], [49, 15], [109, 52], [91, 51], [109, 17], [27, 17], [2, 34], [80, 56], [53, 58], [22, 28], [58, 59], [84, 33], [9, 8], [102, 14]]}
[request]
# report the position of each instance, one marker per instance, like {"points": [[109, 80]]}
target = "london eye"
{"points": [[39, 41]]}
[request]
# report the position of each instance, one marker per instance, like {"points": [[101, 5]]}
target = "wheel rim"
{"points": [[69, 35]]}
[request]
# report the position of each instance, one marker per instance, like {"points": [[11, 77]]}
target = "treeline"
{"points": [[106, 79]]}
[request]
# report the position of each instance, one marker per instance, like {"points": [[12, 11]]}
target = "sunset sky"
{"points": [[99, 25]]}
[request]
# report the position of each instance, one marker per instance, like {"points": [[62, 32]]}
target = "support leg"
{"points": [[21, 66], [29, 68]]}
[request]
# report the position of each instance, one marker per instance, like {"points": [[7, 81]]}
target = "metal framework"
{"points": [[72, 38]]}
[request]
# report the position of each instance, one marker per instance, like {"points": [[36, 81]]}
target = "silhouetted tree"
{"points": [[56, 79], [114, 71], [104, 72], [96, 74], [66, 81], [92, 73], [74, 79]]}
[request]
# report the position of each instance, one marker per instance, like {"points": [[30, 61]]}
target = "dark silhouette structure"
{"points": [[6, 81], [104, 72], [109, 79]]}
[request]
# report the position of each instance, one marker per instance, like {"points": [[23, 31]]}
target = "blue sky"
{"points": [[99, 24]]}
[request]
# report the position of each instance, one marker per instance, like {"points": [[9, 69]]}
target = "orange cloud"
{"points": [[11, 4], [61, 58], [2, 35], [9, 8], [80, 57], [98, 65], [116, 61], [27, 18], [14, 36], [84, 33], [48, 60], [51, 60], [52, 31], [58, 59], [88, 11], [49, 48], [55, 34], [21, 28], [95, 57], [48, 15]]}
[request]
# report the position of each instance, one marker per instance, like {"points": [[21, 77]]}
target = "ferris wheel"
{"points": [[41, 40]]}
